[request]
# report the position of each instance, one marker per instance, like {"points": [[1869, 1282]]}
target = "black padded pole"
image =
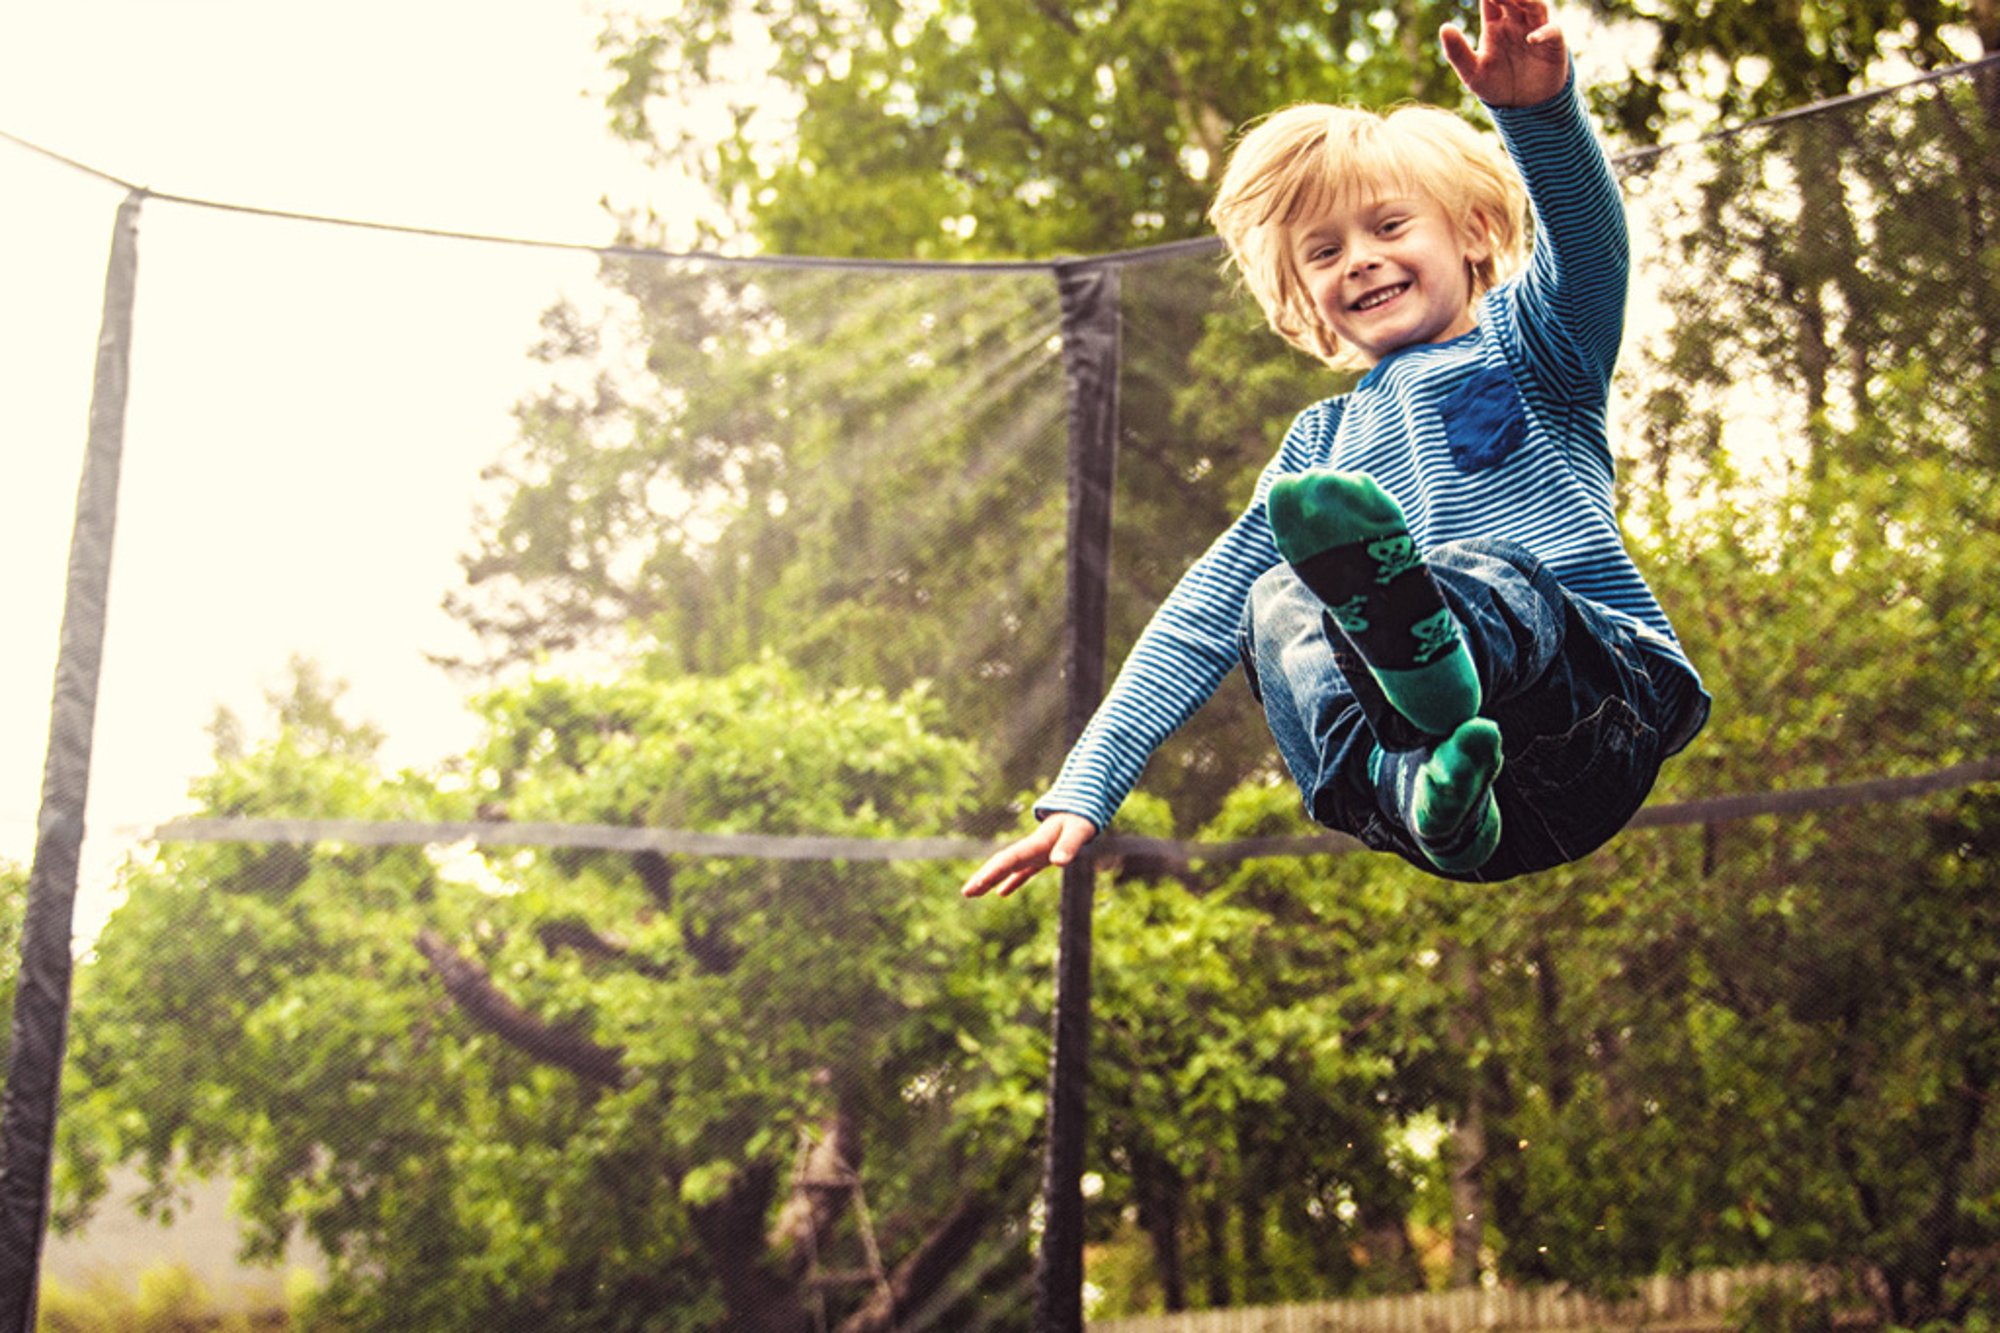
{"points": [[1090, 324], [41, 998]]}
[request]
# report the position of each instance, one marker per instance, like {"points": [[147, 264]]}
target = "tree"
{"points": [[1848, 262], [1752, 62], [1765, 1041], [968, 129], [971, 129], [860, 471], [1617, 1047], [1257, 1059], [579, 1089]]}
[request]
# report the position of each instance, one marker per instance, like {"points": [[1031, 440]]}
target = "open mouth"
{"points": [[1380, 296]]}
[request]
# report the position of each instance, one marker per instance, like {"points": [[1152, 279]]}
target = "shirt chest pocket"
{"points": [[1484, 420]]}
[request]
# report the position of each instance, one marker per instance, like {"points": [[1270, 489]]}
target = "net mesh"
{"points": [[421, 532]]}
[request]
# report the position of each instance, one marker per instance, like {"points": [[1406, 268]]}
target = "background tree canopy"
{"points": [[971, 129], [780, 550]]}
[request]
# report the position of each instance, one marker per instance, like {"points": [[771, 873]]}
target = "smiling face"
{"points": [[1321, 206], [1388, 270]]}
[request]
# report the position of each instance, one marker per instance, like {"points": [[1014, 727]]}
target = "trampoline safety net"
{"points": [[549, 698]]}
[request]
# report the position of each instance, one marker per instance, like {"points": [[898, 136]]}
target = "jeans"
{"points": [[1584, 710]]}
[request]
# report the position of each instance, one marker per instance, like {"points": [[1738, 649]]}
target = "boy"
{"points": [[1458, 660]]}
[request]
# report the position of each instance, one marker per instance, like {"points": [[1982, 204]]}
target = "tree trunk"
{"points": [[1468, 1132], [1162, 1199], [1549, 1003], [1259, 1286], [476, 995], [755, 1296], [1468, 1193], [1986, 22], [1392, 1259], [824, 1190], [1215, 1251], [1807, 264]]}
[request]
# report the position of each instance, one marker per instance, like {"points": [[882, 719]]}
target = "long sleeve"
{"points": [[1184, 653], [1570, 302]]}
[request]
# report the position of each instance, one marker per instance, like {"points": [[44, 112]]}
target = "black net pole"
{"points": [[41, 999], [1090, 363]]}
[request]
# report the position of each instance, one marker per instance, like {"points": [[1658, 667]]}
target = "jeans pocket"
{"points": [[1585, 783]]}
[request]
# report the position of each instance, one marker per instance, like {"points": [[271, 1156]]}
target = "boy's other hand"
{"points": [[1521, 59], [1055, 842]]}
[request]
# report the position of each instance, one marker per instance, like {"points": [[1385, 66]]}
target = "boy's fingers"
{"points": [[1006, 869], [1056, 842], [1457, 49], [984, 878]]}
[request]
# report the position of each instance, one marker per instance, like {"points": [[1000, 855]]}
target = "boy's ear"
{"points": [[1478, 236]]}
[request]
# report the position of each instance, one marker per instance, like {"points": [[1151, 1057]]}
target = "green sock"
{"points": [[1346, 539], [1454, 816]]}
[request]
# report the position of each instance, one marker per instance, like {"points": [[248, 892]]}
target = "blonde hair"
{"points": [[1305, 160]]}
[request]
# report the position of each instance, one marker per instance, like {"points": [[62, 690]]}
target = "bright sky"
{"points": [[310, 406]]}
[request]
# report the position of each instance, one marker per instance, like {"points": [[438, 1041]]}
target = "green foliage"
{"points": [[863, 473], [967, 129], [13, 914], [1756, 61], [165, 1298], [528, 1089], [971, 129], [1263, 1039]]}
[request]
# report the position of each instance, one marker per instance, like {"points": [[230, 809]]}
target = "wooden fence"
{"points": [[1693, 1303]]}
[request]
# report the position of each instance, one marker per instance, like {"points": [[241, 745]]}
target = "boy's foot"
{"points": [[1453, 815], [1345, 538]]}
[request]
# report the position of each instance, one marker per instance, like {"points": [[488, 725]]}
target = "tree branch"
{"points": [[821, 1191], [579, 938], [920, 1275], [757, 1298], [656, 875], [709, 949], [1059, 15], [472, 989]]}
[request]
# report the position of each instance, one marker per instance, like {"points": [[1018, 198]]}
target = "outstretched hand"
{"points": [[1521, 59], [1055, 842]]}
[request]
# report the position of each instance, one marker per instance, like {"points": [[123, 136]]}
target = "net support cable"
{"points": [[1630, 157], [42, 995], [814, 847]]}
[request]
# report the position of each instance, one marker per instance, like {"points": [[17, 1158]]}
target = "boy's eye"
{"points": [[1393, 225]]}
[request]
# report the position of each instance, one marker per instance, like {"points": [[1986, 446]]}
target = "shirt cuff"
{"points": [[1559, 102]]}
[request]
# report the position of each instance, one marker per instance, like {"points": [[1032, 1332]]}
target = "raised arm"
{"points": [[1573, 292]]}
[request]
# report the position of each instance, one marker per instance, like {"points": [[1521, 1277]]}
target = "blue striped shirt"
{"points": [[1525, 393]]}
